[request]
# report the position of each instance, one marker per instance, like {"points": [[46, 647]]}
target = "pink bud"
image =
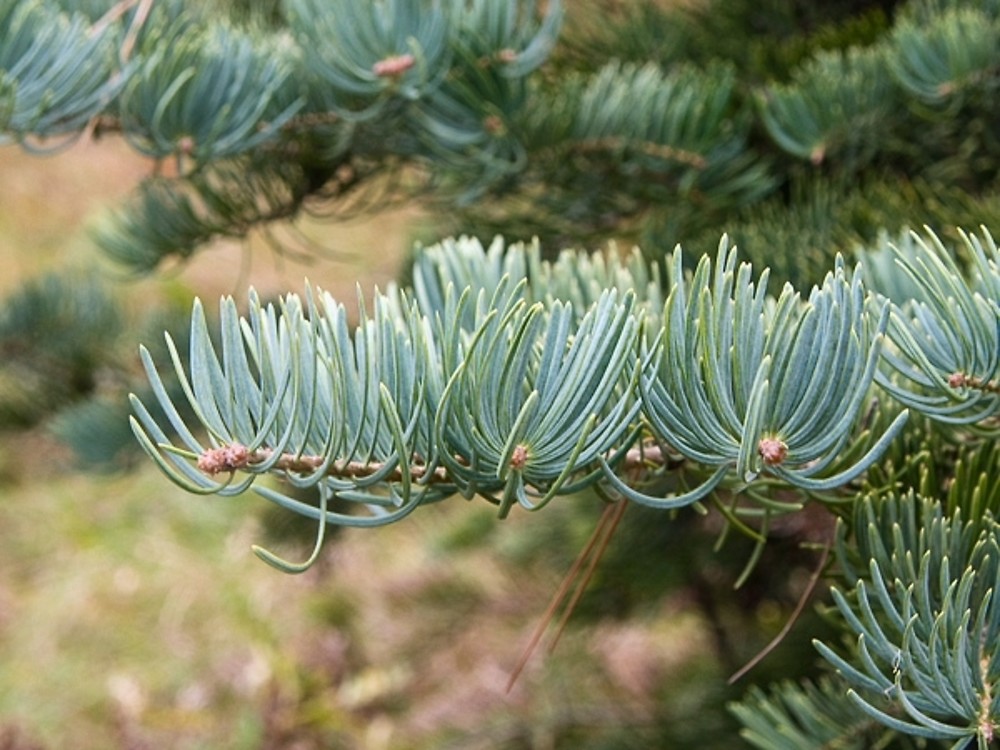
{"points": [[519, 457], [224, 458], [393, 65], [772, 450]]}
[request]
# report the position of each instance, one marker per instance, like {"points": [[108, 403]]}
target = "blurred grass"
{"points": [[111, 615]]}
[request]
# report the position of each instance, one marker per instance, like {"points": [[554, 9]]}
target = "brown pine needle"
{"points": [[115, 12], [611, 524], [141, 14], [560, 594], [806, 595]]}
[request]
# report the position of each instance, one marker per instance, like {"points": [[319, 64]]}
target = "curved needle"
{"points": [[289, 567]]}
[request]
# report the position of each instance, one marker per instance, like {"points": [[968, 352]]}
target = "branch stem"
{"points": [[235, 457]]}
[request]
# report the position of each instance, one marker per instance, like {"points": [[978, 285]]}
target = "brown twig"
{"points": [[141, 14], [235, 457], [806, 595], [657, 150], [113, 13]]}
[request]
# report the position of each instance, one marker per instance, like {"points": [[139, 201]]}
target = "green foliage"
{"points": [[67, 365], [207, 93], [949, 60], [323, 99], [57, 334], [835, 107], [680, 137], [652, 136], [55, 74], [173, 216], [947, 336], [807, 716], [925, 662]]}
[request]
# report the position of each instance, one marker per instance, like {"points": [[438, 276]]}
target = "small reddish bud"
{"points": [[772, 450], [393, 65], [957, 379], [493, 124], [506, 55], [225, 458], [519, 457]]}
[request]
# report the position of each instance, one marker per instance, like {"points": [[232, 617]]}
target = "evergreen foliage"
{"points": [[78, 321], [926, 665], [850, 363]]}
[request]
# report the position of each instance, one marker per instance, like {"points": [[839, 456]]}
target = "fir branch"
{"points": [[946, 343], [235, 456], [476, 390], [792, 716], [945, 61], [833, 108], [56, 74], [926, 621]]}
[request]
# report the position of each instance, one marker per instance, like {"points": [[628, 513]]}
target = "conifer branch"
{"points": [[921, 646], [476, 390], [946, 354]]}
